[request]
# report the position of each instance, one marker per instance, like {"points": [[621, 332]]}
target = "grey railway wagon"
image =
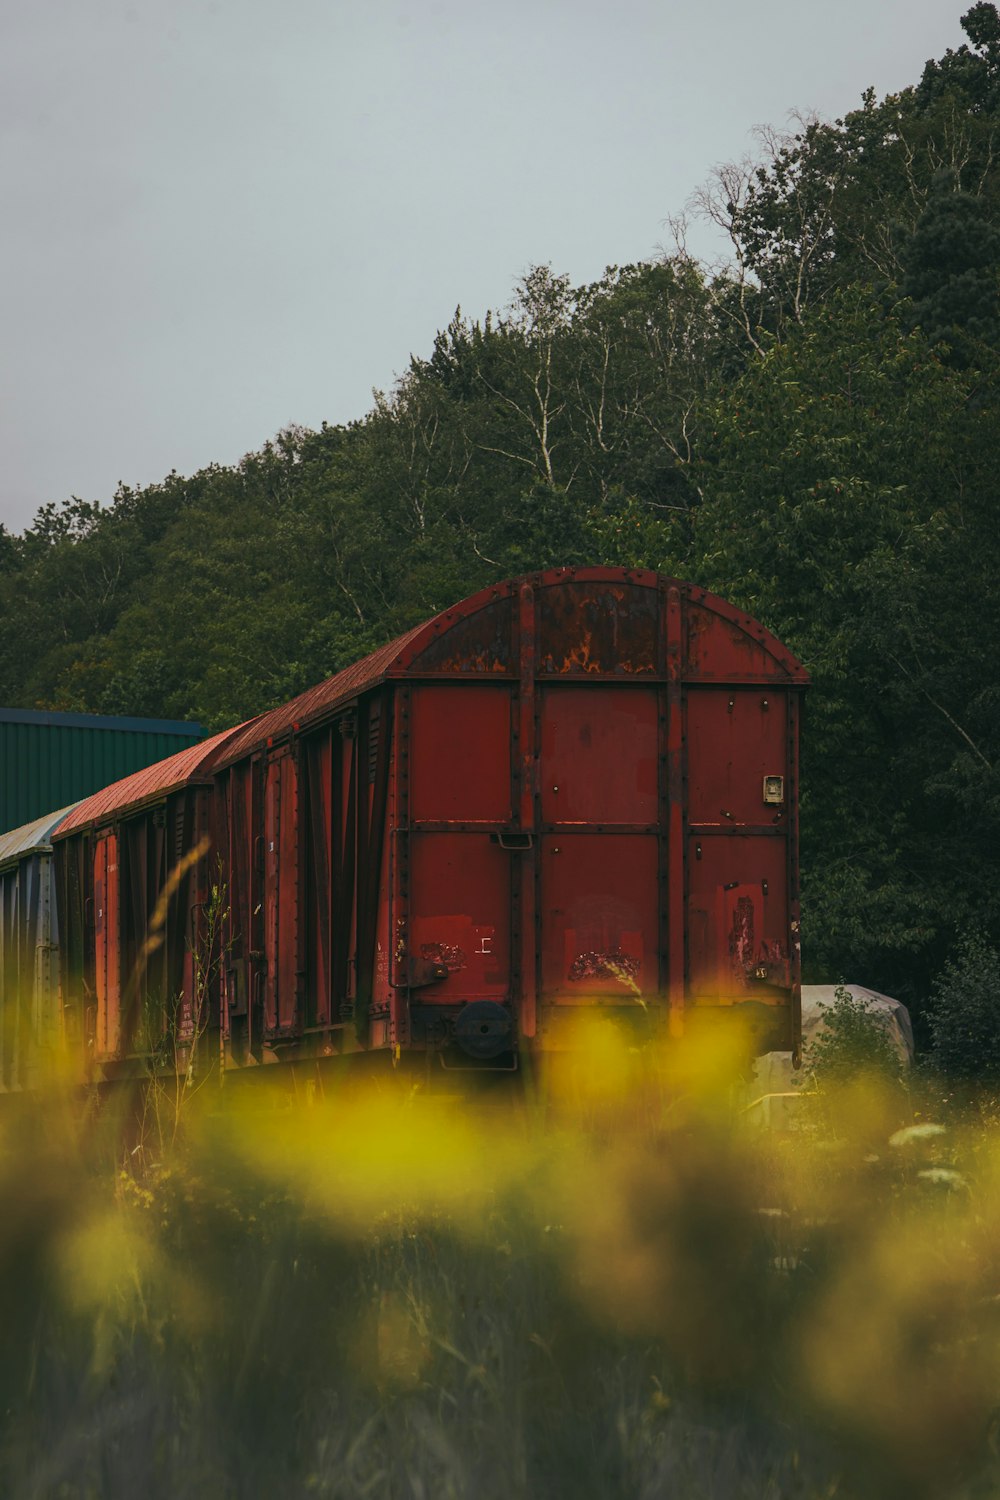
{"points": [[31, 1022]]}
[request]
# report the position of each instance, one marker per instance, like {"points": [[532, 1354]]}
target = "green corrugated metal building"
{"points": [[47, 760]]}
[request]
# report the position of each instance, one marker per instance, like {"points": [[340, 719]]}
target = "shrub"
{"points": [[855, 1038], [965, 1013]]}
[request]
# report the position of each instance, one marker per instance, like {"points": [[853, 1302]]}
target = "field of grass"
{"points": [[610, 1282]]}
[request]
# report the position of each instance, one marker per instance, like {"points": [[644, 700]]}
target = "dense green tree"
{"points": [[849, 503], [970, 75], [951, 270], [69, 577], [963, 1013], [828, 204]]}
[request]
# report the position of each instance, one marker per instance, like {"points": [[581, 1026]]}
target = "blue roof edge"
{"points": [[191, 731]]}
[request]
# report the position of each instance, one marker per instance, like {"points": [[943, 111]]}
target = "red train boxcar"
{"points": [[575, 788]]}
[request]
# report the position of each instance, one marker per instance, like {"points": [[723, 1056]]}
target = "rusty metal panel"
{"points": [[281, 894], [398, 813], [372, 778], [525, 759], [460, 753], [345, 869], [192, 999], [738, 942], [135, 907], [739, 848], [244, 941], [153, 983], [74, 874], [598, 754], [477, 641], [599, 917], [672, 800], [460, 916], [722, 645], [107, 944], [272, 906], [383, 994], [598, 627], [736, 741], [317, 894], [136, 887], [288, 914]]}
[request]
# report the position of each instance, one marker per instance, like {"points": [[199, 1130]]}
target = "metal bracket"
{"points": [[421, 971], [515, 842]]}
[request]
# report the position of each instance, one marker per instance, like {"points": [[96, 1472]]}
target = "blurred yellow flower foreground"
{"points": [[603, 1280]]}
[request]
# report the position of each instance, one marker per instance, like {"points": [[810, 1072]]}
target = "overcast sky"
{"points": [[222, 216]]}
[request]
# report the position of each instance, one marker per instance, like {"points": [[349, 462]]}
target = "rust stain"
{"points": [[473, 643], [448, 954], [741, 938], [577, 658], [600, 630], [581, 656], [772, 963], [478, 662]]}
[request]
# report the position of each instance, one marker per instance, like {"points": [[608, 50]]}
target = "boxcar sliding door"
{"points": [[454, 741], [739, 856], [599, 850]]}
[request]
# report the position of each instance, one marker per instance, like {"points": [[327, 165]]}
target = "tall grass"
{"points": [[606, 1283]]}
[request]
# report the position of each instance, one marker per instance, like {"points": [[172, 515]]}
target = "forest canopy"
{"points": [[809, 429]]}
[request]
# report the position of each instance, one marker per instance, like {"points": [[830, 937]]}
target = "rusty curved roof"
{"points": [[398, 656], [395, 658], [191, 765]]}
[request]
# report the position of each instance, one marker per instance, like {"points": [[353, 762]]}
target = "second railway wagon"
{"points": [[135, 866]]}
